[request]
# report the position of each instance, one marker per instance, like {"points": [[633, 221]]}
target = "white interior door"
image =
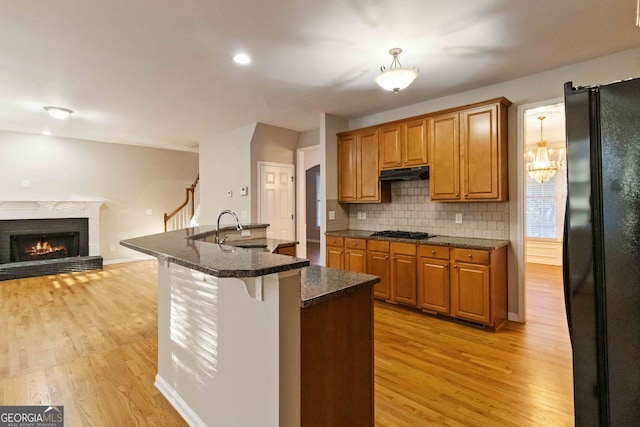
{"points": [[276, 199]]}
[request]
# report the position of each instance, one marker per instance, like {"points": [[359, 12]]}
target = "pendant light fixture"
{"points": [[540, 167], [396, 77]]}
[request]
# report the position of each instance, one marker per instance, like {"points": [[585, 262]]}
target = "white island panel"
{"points": [[229, 348]]}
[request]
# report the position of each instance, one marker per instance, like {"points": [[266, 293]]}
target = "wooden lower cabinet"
{"points": [[403, 273], [355, 255], [335, 252], [466, 284], [379, 264], [286, 250], [433, 279], [479, 286]]}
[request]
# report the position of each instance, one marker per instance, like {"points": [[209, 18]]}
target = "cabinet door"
{"points": [[479, 153], [335, 257], [368, 170], [347, 168], [414, 144], [444, 157], [390, 138], [378, 264], [470, 292], [355, 260], [433, 285], [403, 279]]}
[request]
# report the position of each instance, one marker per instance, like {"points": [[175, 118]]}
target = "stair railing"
{"points": [[181, 217]]}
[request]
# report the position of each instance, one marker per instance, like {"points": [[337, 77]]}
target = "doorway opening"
{"points": [[308, 203], [544, 198]]}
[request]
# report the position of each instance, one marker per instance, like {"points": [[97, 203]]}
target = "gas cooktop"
{"points": [[414, 235]]}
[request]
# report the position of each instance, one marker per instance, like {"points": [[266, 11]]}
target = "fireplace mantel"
{"points": [[45, 209]]}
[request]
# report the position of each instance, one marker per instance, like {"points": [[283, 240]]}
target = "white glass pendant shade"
{"points": [[58, 112], [396, 77]]}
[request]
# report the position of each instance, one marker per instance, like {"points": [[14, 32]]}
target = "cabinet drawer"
{"points": [[403, 248], [335, 241], [378, 245], [431, 251], [356, 243], [471, 255]]}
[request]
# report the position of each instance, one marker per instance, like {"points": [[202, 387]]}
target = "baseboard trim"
{"points": [[514, 317], [132, 259], [176, 401]]}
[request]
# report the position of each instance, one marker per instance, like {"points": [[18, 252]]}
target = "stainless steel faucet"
{"points": [[238, 226]]}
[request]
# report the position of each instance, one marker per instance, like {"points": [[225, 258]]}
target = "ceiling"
{"points": [[159, 72]]}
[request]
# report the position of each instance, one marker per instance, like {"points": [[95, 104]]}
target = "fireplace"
{"points": [[36, 247]]}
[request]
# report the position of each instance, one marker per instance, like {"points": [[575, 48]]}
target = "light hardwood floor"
{"points": [[88, 341]]}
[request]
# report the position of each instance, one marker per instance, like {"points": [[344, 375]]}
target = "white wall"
{"points": [[127, 179], [225, 165], [533, 88]]}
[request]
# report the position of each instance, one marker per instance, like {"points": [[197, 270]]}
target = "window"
{"points": [[545, 206]]}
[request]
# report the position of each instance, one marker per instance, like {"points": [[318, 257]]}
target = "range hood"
{"points": [[406, 174]]}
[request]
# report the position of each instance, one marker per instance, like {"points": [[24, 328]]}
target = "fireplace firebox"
{"points": [[36, 247]]}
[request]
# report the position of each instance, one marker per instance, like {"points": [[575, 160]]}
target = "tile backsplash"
{"points": [[411, 210]]}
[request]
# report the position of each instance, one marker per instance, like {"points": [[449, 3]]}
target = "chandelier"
{"points": [[396, 78], [540, 167]]}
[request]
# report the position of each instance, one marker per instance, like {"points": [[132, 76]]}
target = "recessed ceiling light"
{"points": [[58, 112], [46, 132], [242, 58]]}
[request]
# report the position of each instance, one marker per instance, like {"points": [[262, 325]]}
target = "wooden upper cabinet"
{"points": [[444, 169], [403, 145], [390, 139], [484, 153], [347, 168], [367, 184], [414, 143], [468, 154], [359, 169]]}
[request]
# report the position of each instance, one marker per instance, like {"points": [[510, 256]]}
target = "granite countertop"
{"points": [[460, 242], [320, 283], [189, 248], [184, 247]]}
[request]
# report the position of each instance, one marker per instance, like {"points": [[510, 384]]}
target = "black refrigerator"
{"points": [[602, 251]]}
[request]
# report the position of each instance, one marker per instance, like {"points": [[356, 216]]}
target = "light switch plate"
{"points": [[332, 215], [458, 218]]}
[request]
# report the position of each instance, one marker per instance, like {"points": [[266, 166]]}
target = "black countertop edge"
{"points": [[320, 284], [460, 242]]}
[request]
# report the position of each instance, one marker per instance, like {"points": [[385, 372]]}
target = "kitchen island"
{"points": [[247, 337]]}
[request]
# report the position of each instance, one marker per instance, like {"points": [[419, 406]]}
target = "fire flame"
{"points": [[44, 248]]}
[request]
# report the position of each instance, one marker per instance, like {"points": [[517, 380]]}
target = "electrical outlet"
{"points": [[332, 215], [25, 183], [458, 218], [229, 193], [364, 215], [243, 214], [359, 215], [245, 233], [112, 248]]}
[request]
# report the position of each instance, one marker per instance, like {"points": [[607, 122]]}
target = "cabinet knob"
{"points": [[433, 252], [386, 257], [465, 194], [457, 195], [470, 256], [355, 244], [446, 265], [455, 266]]}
